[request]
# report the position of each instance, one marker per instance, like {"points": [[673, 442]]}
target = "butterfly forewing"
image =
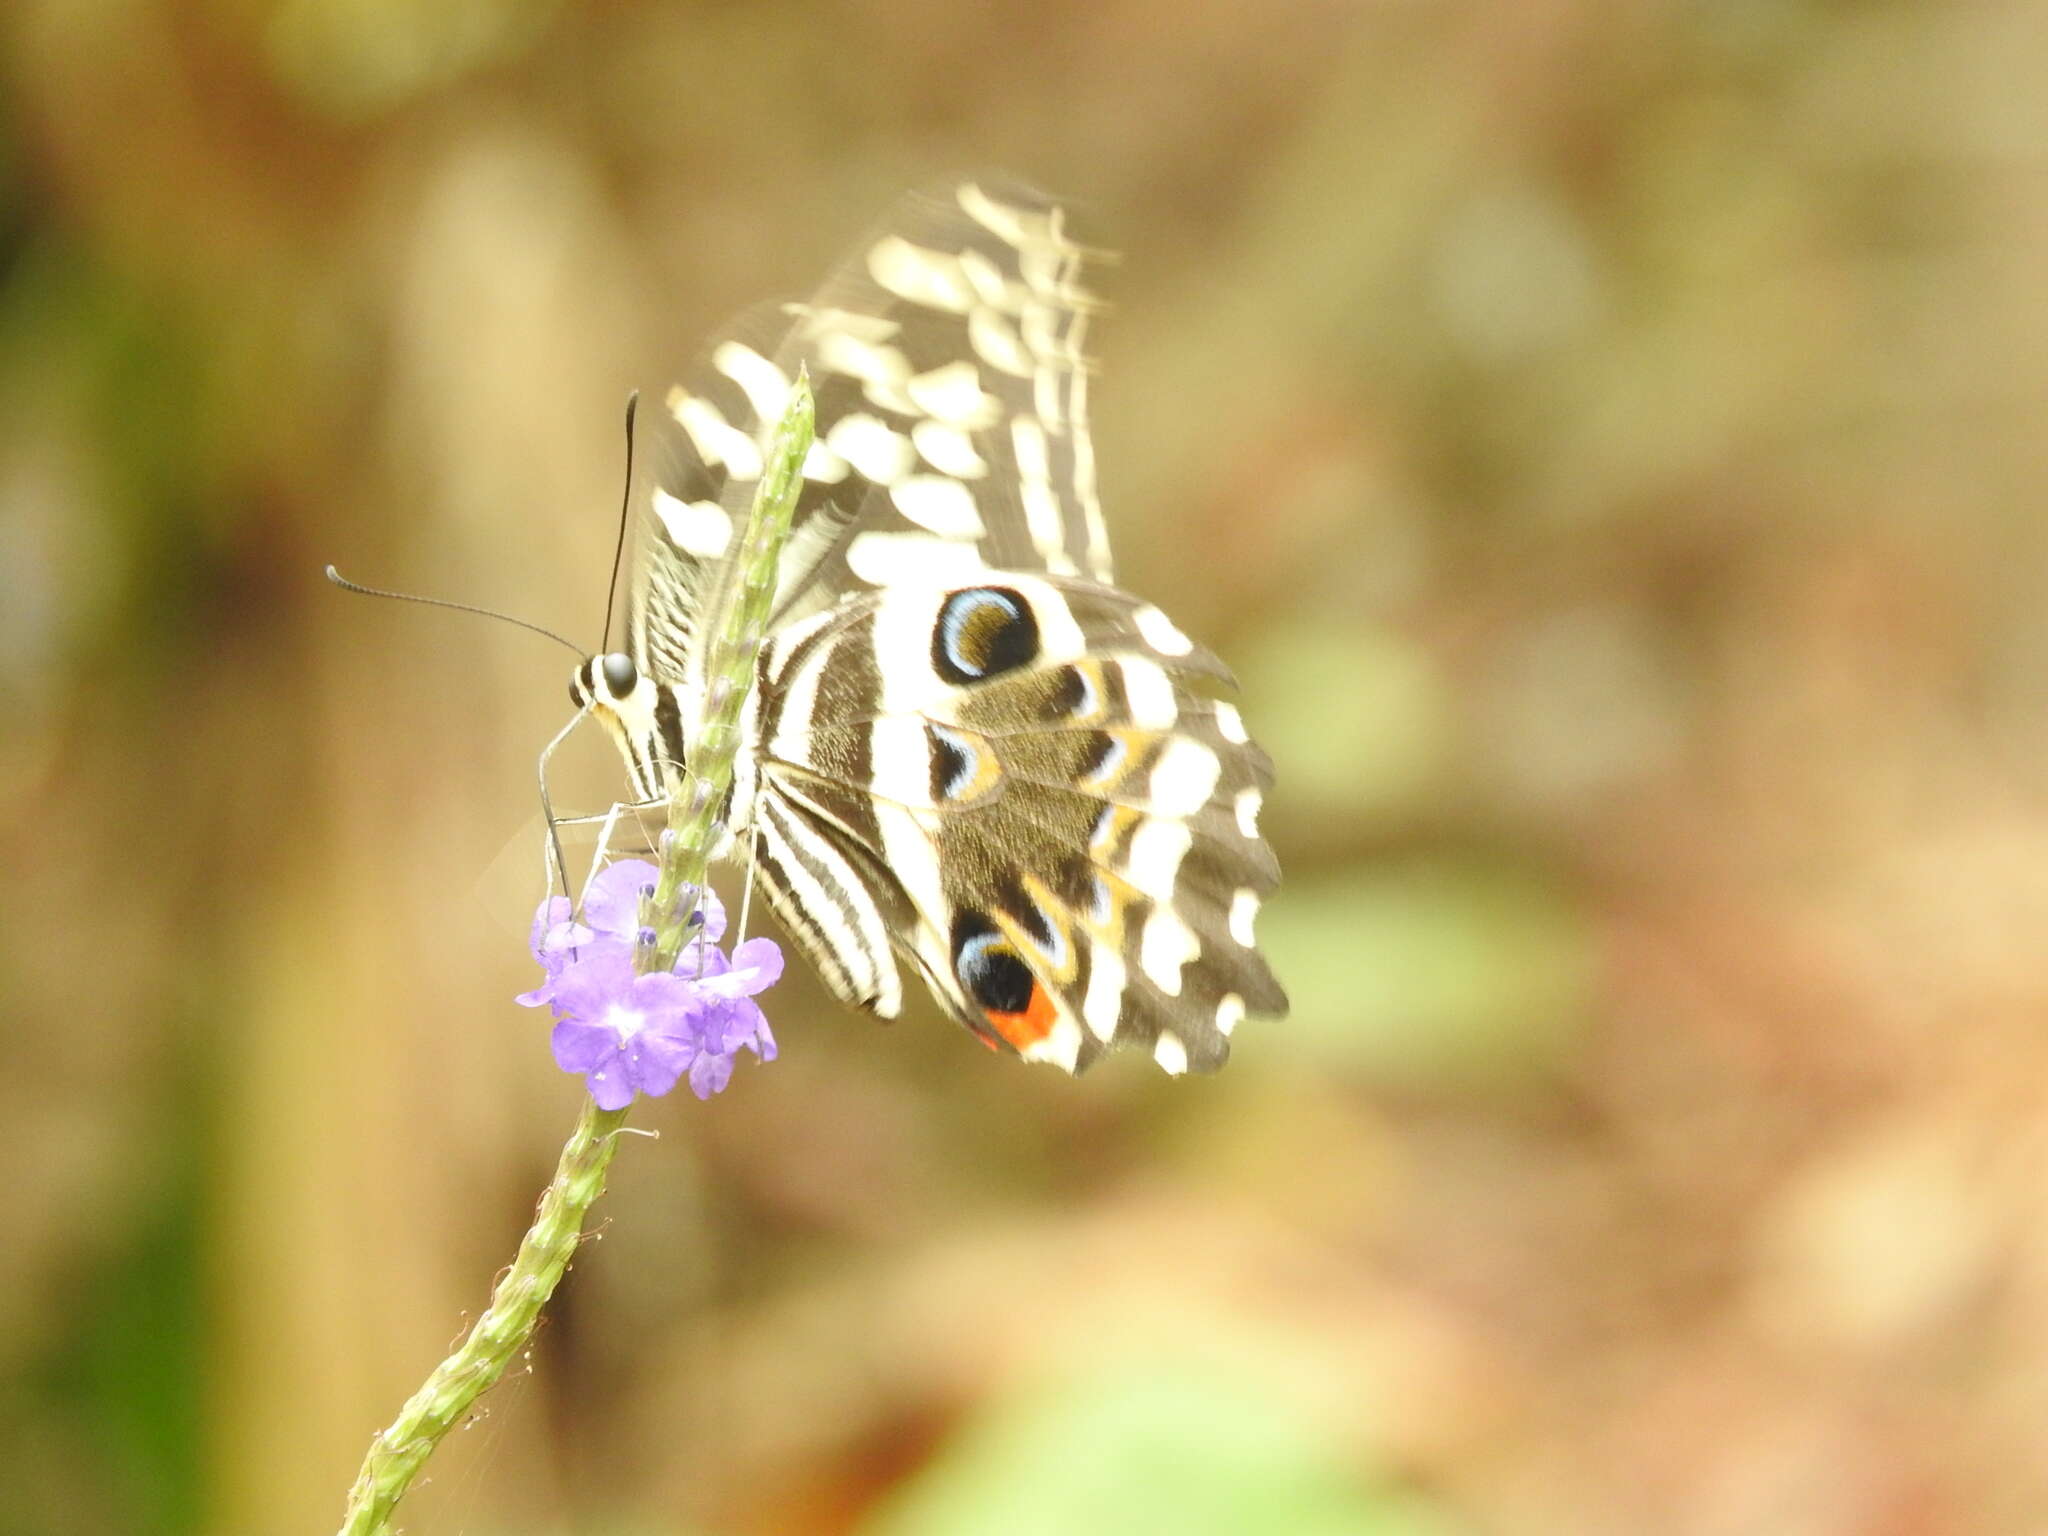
{"points": [[966, 749]]}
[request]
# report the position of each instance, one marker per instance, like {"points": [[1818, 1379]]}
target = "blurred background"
{"points": [[1606, 438]]}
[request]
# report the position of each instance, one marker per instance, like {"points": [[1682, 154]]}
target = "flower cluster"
{"points": [[630, 1033]]}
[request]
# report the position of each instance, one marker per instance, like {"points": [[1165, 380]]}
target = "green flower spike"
{"points": [[399, 1453]]}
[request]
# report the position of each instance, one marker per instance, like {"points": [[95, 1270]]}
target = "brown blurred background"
{"points": [[1607, 440]]}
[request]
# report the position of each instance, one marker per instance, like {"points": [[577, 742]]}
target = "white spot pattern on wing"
{"points": [[1184, 777], [701, 528], [765, 385], [872, 446], [952, 393], [1167, 945], [948, 450], [923, 276], [1229, 1014], [940, 503], [1161, 633], [1248, 803], [1244, 912]]}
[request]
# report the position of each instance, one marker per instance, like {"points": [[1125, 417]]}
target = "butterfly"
{"points": [[967, 753]]}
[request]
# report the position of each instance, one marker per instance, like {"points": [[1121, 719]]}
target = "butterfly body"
{"points": [[967, 756]]}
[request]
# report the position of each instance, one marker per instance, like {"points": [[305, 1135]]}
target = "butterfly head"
{"points": [[641, 716]]}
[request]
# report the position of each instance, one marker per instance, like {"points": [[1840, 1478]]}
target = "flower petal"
{"points": [[709, 1073], [611, 902], [610, 1087], [555, 934], [760, 961], [550, 912], [700, 960], [582, 1047], [666, 1005], [628, 1033], [658, 1061], [756, 966], [596, 977], [739, 1024]]}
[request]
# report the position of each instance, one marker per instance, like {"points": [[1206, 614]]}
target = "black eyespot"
{"points": [[982, 632], [988, 968], [620, 675]]}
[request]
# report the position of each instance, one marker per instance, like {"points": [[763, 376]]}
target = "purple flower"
{"points": [[732, 1020], [611, 902], [629, 1033], [626, 1033], [556, 936]]}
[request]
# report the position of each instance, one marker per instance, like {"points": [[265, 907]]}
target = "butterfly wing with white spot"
{"points": [[1044, 805], [968, 752], [945, 356]]}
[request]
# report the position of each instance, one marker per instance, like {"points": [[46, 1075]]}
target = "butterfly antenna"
{"points": [[625, 510], [360, 590]]}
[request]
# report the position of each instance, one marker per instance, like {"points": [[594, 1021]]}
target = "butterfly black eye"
{"points": [[621, 677], [981, 632], [990, 970]]}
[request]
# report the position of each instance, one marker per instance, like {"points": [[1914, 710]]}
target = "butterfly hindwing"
{"points": [[1050, 786]]}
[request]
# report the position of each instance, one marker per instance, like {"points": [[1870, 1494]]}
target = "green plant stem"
{"points": [[397, 1454], [400, 1451], [696, 804]]}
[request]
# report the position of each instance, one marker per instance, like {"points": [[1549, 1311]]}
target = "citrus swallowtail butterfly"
{"points": [[967, 754]]}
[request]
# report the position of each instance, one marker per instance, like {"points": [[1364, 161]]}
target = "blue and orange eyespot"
{"points": [[997, 980]]}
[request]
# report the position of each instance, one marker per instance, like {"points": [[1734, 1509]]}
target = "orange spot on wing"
{"points": [[1030, 1026]]}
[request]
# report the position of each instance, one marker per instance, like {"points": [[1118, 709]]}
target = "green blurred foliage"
{"points": [[1434, 976], [1138, 1447]]}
